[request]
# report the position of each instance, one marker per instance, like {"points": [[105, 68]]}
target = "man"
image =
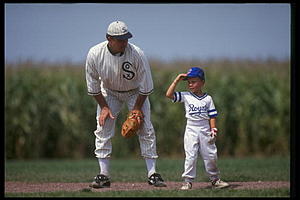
{"points": [[118, 72]]}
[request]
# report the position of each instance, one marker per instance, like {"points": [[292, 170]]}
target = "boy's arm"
{"points": [[212, 123], [171, 89]]}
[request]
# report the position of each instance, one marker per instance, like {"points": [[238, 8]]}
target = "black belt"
{"points": [[123, 91]]}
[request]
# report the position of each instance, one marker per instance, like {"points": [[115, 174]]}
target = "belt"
{"points": [[123, 91], [197, 122]]}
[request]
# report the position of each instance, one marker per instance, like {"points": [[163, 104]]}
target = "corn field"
{"points": [[48, 113]]}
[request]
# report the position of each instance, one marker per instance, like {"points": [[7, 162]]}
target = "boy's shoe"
{"points": [[156, 180], [219, 184], [100, 181], [186, 186]]}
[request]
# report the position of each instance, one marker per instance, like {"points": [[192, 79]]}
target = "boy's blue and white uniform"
{"points": [[199, 109]]}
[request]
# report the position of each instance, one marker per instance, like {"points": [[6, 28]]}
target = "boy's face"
{"points": [[195, 84]]}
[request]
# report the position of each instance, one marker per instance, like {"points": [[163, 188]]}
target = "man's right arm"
{"points": [[100, 100], [92, 75], [94, 88]]}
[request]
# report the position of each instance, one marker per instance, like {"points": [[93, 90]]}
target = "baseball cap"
{"points": [[195, 72], [119, 30]]}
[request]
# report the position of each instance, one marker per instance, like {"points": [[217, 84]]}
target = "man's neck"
{"points": [[114, 53]]}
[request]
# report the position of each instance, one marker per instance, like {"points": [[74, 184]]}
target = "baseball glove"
{"points": [[132, 123]]}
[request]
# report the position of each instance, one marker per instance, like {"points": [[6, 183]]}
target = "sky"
{"points": [[65, 32]]}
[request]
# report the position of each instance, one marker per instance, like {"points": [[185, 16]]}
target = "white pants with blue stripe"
{"points": [[196, 137]]}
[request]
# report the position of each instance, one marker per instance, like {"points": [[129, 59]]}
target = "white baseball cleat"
{"points": [[219, 184], [186, 186]]}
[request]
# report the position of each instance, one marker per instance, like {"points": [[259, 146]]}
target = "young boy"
{"points": [[201, 131]]}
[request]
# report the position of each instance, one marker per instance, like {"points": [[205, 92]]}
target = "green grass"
{"points": [[232, 170], [282, 192]]}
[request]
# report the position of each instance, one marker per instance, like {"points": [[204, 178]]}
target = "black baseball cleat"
{"points": [[100, 181], [156, 180], [219, 184]]}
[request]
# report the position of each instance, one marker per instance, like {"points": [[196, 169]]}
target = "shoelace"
{"points": [[216, 181], [101, 178], [157, 177]]}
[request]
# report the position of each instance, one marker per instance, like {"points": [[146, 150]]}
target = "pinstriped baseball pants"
{"points": [[196, 139], [146, 134]]}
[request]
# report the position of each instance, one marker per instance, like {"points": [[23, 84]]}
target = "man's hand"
{"points": [[132, 124], [105, 112], [139, 117]]}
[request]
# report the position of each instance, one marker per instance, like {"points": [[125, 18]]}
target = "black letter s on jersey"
{"points": [[128, 73]]}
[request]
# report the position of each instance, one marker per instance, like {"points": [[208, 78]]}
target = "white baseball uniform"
{"points": [[120, 79], [197, 134]]}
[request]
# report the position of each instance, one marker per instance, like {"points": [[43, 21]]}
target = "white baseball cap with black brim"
{"points": [[118, 30]]}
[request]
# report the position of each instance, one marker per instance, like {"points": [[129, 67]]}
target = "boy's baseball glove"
{"points": [[132, 123]]}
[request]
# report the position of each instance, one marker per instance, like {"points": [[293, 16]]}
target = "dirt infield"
{"points": [[15, 187]]}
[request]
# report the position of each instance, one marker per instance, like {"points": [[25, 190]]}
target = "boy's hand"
{"points": [[171, 89], [180, 77], [213, 135], [213, 132]]}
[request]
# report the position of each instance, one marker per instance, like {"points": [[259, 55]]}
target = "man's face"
{"points": [[117, 45]]}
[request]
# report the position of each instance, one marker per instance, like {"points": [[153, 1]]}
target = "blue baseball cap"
{"points": [[195, 72]]}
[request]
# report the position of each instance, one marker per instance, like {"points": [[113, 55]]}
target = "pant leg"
{"points": [[191, 148], [104, 134], [146, 134], [209, 154]]}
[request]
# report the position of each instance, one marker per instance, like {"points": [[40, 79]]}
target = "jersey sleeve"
{"points": [[178, 97], [92, 76], [145, 77], [212, 112]]}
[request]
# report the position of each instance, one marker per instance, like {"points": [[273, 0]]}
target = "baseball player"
{"points": [[118, 72], [201, 131]]}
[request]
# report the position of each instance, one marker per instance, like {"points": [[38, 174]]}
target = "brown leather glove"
{"points": [[132, 123]]}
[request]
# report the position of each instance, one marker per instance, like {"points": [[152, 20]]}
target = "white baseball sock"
{"points": [[104, 166], [150, 162], [189, 180]]}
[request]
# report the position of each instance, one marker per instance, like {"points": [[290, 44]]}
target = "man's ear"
{"points": [[108, 37]]}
